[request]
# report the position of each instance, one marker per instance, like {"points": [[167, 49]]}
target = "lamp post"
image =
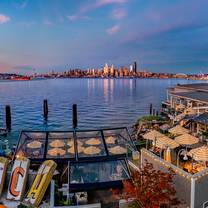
{"points": [[185, 155]]}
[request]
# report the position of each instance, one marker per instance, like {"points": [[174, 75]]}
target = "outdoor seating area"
{"points": [[179, 147], [188, 185], [64, 146], [108, 174], [88, 161]]}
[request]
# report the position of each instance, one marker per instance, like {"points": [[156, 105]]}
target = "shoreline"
{"points": [[102, 78]]}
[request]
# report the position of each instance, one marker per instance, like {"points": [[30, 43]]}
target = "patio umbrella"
{"points": [[178, 130], [57, 143], [117, 150], [79, 149], [71, 143], [186, 139], [199, 154], [165, 141], [92, 150], [56, 152], [152, 135], [93, 141], [110, 140], [34, 145]]}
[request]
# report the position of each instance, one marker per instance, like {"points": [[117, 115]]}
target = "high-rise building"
{"points": [[121, 72], [131, 68], [106, 70], [135, 67], [93, 72], [116, 73], [112, 71]]}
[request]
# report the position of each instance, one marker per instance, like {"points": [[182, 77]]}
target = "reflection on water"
{"points": [[101, 102]]}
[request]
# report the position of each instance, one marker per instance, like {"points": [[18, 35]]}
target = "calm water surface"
{"points": [[101, 102]]}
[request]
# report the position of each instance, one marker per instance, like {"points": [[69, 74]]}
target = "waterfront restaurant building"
{"points": [[186, 100], [191, 189]]}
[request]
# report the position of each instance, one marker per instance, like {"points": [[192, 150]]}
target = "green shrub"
{"points": [[205, 133], [150, 118]]}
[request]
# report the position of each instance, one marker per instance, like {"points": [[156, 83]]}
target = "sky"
{"points": [[161, 35]]}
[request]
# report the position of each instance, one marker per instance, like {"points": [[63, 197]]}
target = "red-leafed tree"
{"points": [[151, 187]]}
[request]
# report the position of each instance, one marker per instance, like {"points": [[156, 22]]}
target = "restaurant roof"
{"points": [[195, 86], [203, 118], [194, 95], [77, 145]]}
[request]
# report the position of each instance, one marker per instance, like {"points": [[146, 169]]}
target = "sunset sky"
{"points": [[161, 35]]}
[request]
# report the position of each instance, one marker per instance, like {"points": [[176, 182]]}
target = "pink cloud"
{"points": [[4, 67], [113, 30], [4, 19], [105, 2], [81, 14], [119, 13], [77, 17]]}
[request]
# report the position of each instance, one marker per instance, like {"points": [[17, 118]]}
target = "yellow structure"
{"points": [[3, 170], [40, 183]]}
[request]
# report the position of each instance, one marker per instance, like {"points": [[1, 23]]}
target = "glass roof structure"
{"points": [[96, 175], [77, 145]]}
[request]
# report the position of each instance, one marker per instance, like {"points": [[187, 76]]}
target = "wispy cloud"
{"points": [[23, 5], [113, 30], [47, 22], [77, 17], [24, 67], [86, 8], [28, 24], [105, 2], [155, 21], [119, 13], [4, 19]]}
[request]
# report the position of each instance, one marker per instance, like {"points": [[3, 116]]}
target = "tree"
{"points": [[151, 187]]}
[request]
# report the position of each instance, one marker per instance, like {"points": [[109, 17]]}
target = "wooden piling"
{"points": [[8, 118], [154, 112], [150, 110], [74, 116], [45, 109]]}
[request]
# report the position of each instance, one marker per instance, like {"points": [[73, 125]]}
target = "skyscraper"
{"points": [[135, 67], [106, 70], [112, 71], [131, 68]]}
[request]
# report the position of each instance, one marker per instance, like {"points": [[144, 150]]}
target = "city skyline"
{"points": [[161, 36]]}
